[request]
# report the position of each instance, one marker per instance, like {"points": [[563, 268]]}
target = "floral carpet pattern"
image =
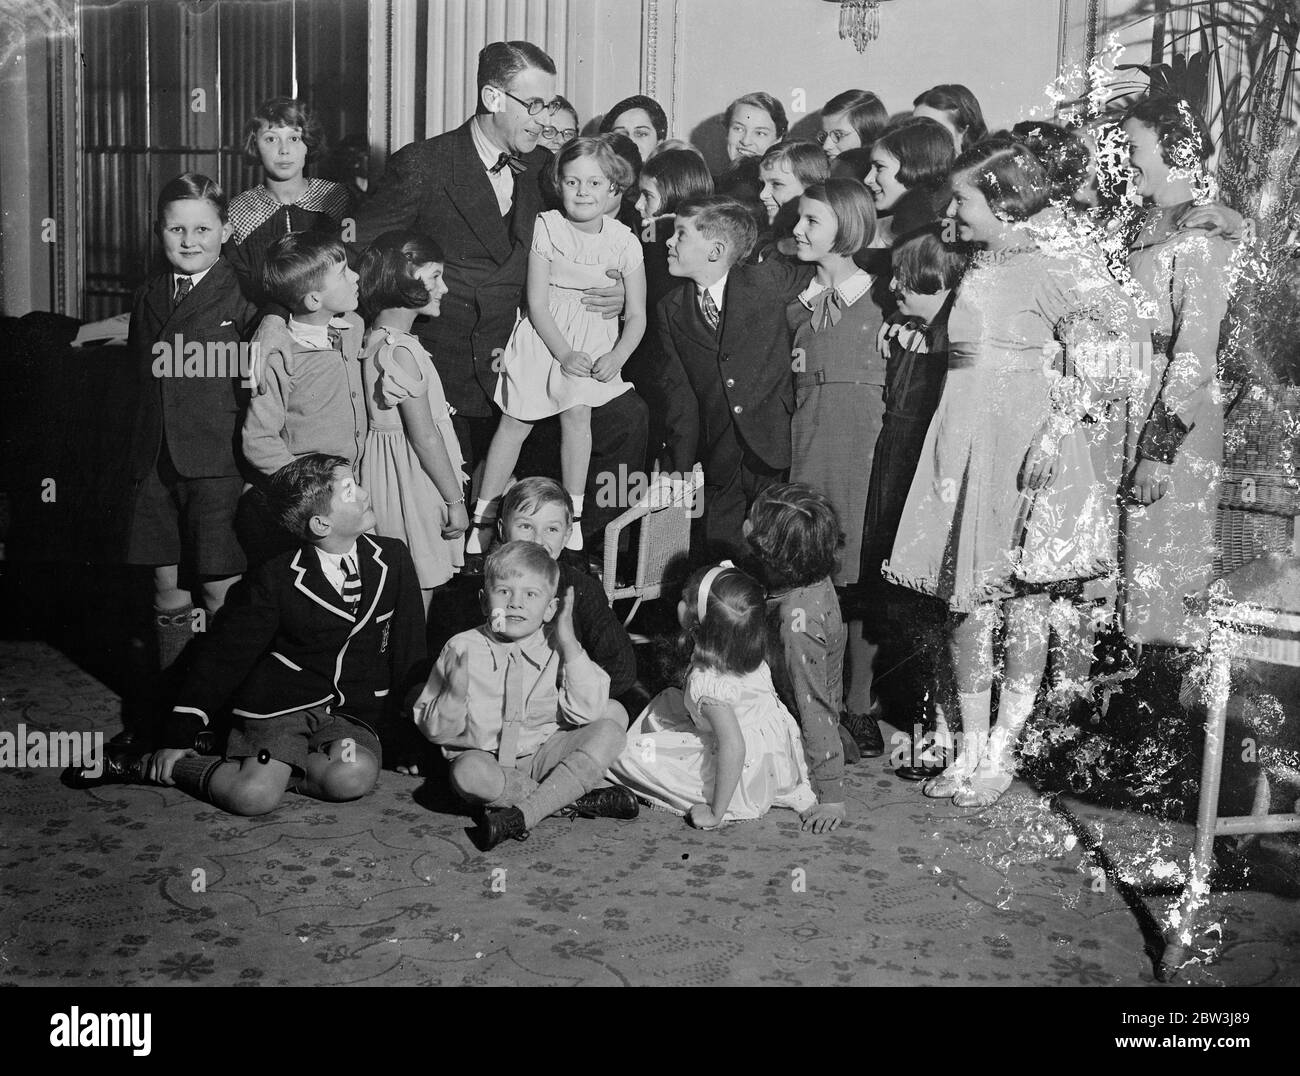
{"points": [[130, 885]]}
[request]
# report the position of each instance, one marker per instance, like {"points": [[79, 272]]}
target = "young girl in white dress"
{"points": [[561, 357], [727, 750]]}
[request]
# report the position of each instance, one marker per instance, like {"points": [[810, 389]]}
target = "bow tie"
{"points": [[508, 160], [910, 335], [827, 307]]}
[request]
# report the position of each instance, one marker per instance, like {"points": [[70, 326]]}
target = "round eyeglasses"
{"points": [[535, 106], [563, 133]]}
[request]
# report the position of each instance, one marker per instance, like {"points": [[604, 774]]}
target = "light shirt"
{"points": [[851, 290], [716, 290], [503, 183], [317, 337], [332, 565], [193, 278], [578, 690]]}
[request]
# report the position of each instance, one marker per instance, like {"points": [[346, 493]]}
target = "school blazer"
{"points": [[741, 374], [439, 187], [285, 641], [199, 414]]}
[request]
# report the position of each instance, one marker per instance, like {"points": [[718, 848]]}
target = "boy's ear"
{"points": [[551, 609], [319, 526], [311, 302], [501, 529], [718, 251], [227, 230]]}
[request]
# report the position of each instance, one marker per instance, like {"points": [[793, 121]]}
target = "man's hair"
{"points": [[303, 489], [386, 270], [807, 161], [284, 112], [296, 264], [1007, 174], [795, 534], [681, 175], [647, 104], [924, 263], [501, 61], [518, 558], [923, 148], [721, 218], [191, 186], [961, 106], [863, 109], [767, 103], [528, 495], [855, 213], [1184, 139]]}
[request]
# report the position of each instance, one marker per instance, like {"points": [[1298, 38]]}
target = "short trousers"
{"points": [[555, 750], [290, 738], [186, 521]]}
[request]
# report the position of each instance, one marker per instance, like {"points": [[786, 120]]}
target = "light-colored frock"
{"points": [[671, 756], [533, 385], [1167, 548], [407, 504], [968, 533]]}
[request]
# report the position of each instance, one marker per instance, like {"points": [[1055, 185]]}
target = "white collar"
{"points": [[336, 559], [487, 152], [851, 290], [193, 278], [716, 290], [314, 336]]}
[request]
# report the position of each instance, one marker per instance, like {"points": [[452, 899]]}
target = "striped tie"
{"points": [[711, 312], [184, 286], [351, 586]]}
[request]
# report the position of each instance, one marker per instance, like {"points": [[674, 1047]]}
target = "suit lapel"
{"points": [[472, 194], [374, 573], [158, 299], [695, 328], [309, 580]]}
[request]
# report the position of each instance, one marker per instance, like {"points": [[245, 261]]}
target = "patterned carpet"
{"points": [[129, 886]]}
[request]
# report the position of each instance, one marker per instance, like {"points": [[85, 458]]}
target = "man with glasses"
{"points": [[476, 190]]}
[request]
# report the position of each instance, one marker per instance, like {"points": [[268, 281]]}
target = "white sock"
{"points": [[975, 709], [484, 510], [1014, 709], [577, 499], [575, 535]]}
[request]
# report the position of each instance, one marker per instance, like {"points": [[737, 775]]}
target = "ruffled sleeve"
{"points": [[543, 241], [393, 383], [709, 686], [629, 252]]}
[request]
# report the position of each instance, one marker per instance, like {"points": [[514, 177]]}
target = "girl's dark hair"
{"points": [[867, 114], [387, 269], [191, 186], [681, 176], [1007, 174], [732, 637], [1061, 152], [853, 164], [854, 211], [961, 107], [767, 103], [795, 534], [923, 148], [628, 150], [284, 112], [1184, 138], [924, 263], [647, 104]]}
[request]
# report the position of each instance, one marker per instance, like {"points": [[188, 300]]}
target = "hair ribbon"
{"points": [[702, 600]]}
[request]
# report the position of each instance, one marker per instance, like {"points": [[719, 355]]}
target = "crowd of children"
{"points": [[926, 403]]}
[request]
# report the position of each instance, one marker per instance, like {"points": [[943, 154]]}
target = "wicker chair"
{"points": [[664, 512]]}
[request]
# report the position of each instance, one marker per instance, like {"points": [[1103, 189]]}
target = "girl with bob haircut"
{"points": [[1004, 503], [753, 122], [786, 170], [953, 105], [851, 120], [910, 164], [839, 377], [641, 119], [726, 749], [411, 463], [796, 539], [670, 178], [563, 359]]}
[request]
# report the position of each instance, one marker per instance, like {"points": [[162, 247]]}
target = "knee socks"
{"points": [[578, 773], [173, 629], [518, 787], [194, 775]]}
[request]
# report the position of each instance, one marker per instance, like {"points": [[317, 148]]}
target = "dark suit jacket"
{"points": [[286, 642], [438, 186], [199, 414], [741, 374]]}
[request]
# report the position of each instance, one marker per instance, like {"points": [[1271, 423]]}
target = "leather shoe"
{"points": [[866, 734], [121, 766], [918, 773], [612, 802], [497, 826]]}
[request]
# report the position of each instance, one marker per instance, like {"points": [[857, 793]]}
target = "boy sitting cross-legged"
{"points": [[319, 647], [516, 705]]}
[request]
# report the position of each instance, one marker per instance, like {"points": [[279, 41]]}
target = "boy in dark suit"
{"points": [[727, 362], [188, 325], [315, 654]]}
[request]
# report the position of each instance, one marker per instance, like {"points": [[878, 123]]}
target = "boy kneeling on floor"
{"points": [[520, 710], [321, 645]]}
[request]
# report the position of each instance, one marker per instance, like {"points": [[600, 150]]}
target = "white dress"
{"points": [[533, 385], [670, 760]]}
